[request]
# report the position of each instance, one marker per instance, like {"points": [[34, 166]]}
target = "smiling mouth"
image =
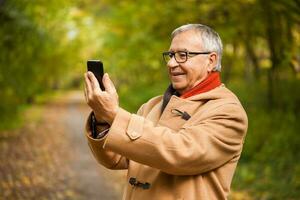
{"points": [[177, 74]]}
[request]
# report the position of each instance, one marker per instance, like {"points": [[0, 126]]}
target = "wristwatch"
{"points": [[102, 134], [94, 125]]}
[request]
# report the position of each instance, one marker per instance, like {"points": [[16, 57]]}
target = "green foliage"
{"points": [[270, 162], [35, 53], [269, 166]]}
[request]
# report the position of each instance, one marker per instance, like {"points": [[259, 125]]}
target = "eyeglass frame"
{"points": [[187, 55]]}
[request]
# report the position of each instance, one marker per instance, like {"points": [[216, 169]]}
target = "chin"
{"points": [[178, 87]]}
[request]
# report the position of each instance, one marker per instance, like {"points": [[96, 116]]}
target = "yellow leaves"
{"points": [[5, 185], [39, 180], [26, 181], [34, 162], [70, 194], [265, 63], [76, 12], [240, 195]]}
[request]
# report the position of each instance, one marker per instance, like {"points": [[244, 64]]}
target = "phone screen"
{"points": [[96, 67]]}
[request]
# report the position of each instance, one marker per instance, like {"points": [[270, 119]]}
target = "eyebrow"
{"points": [[179, 50]]}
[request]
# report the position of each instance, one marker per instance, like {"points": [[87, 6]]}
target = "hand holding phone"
{"points": [[104, 104], [96, 67]]}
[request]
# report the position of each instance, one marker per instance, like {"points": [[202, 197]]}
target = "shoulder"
{"points": [[226, 98], [146, 107], [220, 101], [154, 100]]}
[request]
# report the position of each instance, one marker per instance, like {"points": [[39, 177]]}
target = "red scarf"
{"points": [[212, 81]]}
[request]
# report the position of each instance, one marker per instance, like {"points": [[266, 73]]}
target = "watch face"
{"points": [[102, 134]]}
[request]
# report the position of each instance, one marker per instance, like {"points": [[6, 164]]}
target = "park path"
{"points": [[50, 159], [95, 181]]}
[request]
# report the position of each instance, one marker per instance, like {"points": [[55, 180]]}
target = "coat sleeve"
{"points": [[107, 158], [206, 145]]}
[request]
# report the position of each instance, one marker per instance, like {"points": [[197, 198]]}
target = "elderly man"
{"points": [[182, 145]]}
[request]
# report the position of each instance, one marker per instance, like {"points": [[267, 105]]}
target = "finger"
{"points": [[94, 82], [88, 88], [87, 84], [85, 94], [108, 84]]}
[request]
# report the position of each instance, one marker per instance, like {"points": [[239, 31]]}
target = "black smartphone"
{"points": [[96, 66]]}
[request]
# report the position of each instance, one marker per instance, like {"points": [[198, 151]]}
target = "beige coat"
{"points": [[180, 159]]}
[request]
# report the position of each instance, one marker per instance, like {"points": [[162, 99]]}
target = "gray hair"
{"points": [[211, 40]]}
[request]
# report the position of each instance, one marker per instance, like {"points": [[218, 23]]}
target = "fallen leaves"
{"points": [[34, 161]]}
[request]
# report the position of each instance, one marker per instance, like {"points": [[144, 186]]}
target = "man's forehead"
{"points": [[187, 40]]}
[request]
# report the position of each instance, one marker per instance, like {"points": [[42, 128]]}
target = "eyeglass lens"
{"points": [[179, 56]]}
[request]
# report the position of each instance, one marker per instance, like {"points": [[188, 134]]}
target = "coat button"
{"points": [[133, 135]]}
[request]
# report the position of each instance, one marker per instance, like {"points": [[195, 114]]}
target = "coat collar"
{"points": [[215, 93]]}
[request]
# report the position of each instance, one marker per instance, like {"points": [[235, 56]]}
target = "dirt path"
{"points": [[50, 159], [94, 181]]}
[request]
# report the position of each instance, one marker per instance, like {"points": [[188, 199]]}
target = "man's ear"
{"points": [[212, 61]]}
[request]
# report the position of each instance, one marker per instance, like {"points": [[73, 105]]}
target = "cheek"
{"points": [[191, 75]]}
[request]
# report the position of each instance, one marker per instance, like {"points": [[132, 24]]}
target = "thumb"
{"points": [[108, 84]]}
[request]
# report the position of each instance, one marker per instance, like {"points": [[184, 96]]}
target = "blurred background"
{"points": [[44, 46]]}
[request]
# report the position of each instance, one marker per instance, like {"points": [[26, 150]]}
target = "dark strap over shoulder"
{"points": [[167, 96]]}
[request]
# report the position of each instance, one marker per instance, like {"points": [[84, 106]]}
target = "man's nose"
{"points": [[172, 62]]}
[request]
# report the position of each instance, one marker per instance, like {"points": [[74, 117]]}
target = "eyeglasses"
{"points": [[181, 56]]}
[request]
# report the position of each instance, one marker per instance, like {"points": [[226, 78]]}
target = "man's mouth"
{"points": [[177, 73]]}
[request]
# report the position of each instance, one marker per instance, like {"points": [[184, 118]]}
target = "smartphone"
{"points": [[96, 67]]}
